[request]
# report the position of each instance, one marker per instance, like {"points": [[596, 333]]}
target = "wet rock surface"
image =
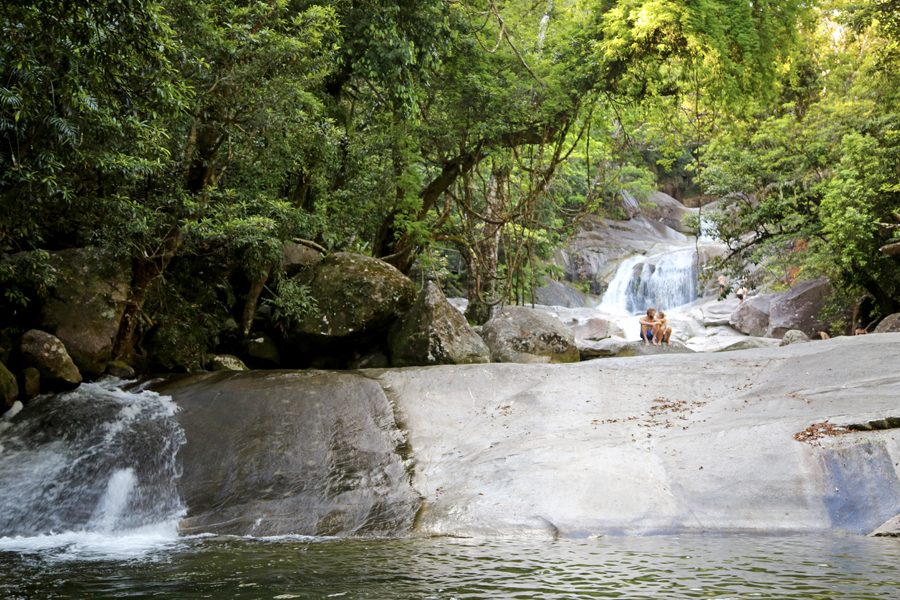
{"points": [[726, 443], [656, 444], [301, 452]]}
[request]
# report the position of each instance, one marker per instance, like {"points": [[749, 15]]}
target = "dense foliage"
{"points": [[814, 179], [193, 138]]}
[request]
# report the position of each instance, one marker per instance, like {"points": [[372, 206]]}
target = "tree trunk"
{"points": [[482, 271], [256, 288], [144, 276]]}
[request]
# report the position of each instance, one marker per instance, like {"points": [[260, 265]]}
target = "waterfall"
{"points": [[664, 281], [96, 460], [542, 29]]}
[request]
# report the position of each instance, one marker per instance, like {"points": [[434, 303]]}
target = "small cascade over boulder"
{"points": [[93, 459], [664, 281]]}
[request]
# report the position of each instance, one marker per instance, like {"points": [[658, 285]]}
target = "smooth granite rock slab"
{"points": [[656, 444]]}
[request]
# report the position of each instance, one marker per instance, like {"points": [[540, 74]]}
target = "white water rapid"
{"points": [[666, 281], [90, 471]]}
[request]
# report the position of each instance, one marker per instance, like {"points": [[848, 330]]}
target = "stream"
{"points": [[730, 568]]}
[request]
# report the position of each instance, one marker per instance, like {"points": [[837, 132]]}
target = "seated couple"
{"points": [[654, 328]]}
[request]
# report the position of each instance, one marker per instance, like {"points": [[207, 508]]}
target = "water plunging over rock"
{"points": [[94, 459], [665, 282]]}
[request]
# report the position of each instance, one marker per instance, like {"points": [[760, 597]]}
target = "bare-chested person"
{"points": [[648, 325]]}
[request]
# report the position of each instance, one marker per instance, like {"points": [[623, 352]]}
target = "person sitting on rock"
{"points": [[661, 331], [648, 326]]}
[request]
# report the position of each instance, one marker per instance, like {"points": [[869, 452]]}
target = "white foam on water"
{"points": [[67, 498], [114, 501], [96, 545], [665, 281]]}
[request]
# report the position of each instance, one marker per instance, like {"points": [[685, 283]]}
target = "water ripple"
{"points": [[652, 568]]}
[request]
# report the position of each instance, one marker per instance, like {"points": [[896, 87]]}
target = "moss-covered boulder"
{"points": [[354, 294], [889, 324], [524, 335], [226, 362], [9, 389], [31, 378], [435, 333], [86, 304], [120, 369], [49, 356]]}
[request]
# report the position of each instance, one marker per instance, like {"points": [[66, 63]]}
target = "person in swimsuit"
{"points": [[648, 326], [662, 332], [741, 294]]}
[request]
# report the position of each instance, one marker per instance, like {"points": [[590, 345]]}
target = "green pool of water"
{"points": [[445, 569]]}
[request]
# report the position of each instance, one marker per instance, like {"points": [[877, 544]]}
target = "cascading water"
{"points": [[542, 29], [665, 282], [96, 460]]}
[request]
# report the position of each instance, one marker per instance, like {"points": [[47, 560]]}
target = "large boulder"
{"points": [[799, 308], [669, 211], [752, 316], [773, 315], [226, 362], [263, 350], [288, 452], [9, 389], [595, 328], [794, 336], [86, 304], [604, 348], [354, 294], [48, 355], [890, 324], [297, 257], [560, 293], [524, 335], [435, 333]]}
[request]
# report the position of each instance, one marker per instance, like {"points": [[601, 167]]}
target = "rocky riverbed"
{"points": [[655, 444]]}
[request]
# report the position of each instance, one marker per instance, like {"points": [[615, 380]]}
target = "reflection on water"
{"points": [[444, 569]]}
